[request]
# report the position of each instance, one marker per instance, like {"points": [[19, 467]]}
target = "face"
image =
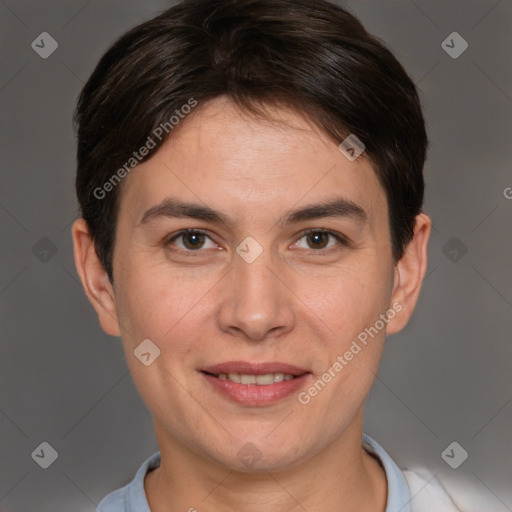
{"points": [[263, 275]]}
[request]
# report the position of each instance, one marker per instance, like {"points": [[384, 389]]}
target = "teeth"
{"points": [[234, 377], [259, 380], [244, 379]]}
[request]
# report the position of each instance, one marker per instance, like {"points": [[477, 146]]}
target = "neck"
{"points": [[342, 477]]}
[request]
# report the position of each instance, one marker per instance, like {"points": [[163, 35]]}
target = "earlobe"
{"points": [[409, 274], [94, 278]]}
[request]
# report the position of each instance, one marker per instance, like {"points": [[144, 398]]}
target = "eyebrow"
{"points": [[174, 208]]}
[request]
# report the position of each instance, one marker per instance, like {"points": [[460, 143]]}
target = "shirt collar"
{"points": [[399, 498]]}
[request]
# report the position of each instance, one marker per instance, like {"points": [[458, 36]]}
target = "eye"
{"points": [[191, 240], [318, 239]]}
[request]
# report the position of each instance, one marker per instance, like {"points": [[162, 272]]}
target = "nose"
{"points": [[256, 301]]}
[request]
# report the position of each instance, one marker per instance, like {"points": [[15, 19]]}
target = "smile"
{"points": [[255, 384], [259, 380]]}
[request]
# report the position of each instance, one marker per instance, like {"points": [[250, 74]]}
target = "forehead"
{"points": [[234, 162]]}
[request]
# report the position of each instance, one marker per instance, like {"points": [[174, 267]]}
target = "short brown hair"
{"points": [[313, 57]]}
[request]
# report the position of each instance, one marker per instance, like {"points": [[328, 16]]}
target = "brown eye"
{"points": [[190, 240], [193, 240], [318, 239]]}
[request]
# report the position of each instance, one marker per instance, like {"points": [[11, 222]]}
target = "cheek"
{"points": [[165, 310], [152, 300], [353, 349], [350, 306], [351, 299]]}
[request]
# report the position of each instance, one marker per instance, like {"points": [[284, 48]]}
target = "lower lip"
{"points": [[254, 395]]}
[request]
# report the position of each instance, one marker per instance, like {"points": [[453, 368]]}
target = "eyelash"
{"points": [[337, 236]]}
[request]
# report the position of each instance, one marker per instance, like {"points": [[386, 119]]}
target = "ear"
{"points": [[94, 278], [409, 274]]}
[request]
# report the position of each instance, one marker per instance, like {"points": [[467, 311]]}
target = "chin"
{"points": [[260, 456]]}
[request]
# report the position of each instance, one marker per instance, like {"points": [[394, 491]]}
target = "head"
{"points": [[225, 118]]}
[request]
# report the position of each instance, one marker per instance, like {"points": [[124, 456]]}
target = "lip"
{"points": [[255, 368], [252, 394]]}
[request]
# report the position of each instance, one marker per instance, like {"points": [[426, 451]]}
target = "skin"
{"points": [[295, 303]]}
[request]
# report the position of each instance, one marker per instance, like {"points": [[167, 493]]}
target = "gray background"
{"points": [[447, 377]]}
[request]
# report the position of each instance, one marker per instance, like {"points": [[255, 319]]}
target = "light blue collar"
{"points": [[399, 497], [132, 497]]}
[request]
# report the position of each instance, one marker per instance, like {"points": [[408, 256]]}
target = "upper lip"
{"points": [[246, 368]]}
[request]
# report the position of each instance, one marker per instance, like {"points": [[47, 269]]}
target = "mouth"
{"points": [[255, 384], [259, 380]]}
